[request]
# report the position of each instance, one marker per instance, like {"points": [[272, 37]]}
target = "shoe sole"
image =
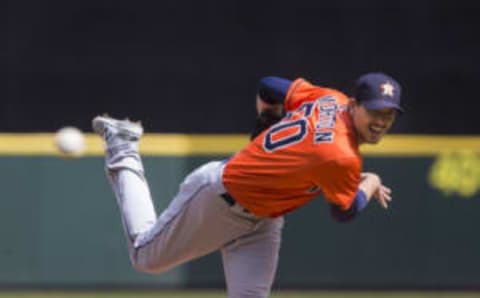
{"points": [[123, 126]]}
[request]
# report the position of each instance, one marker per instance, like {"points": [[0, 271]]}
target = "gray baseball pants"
{"points": [[197, 222]]}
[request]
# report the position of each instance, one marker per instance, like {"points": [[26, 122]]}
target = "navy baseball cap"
{"points": [[378, 91]]}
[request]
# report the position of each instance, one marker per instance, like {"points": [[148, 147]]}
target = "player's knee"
{"points": [[141, 267], [145, 265]]}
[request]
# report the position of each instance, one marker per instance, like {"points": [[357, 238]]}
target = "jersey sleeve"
{"points": [[340, 181], [301, 91]]}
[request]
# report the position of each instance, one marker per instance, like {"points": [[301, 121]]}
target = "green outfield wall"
{"points": [[60, 226]]}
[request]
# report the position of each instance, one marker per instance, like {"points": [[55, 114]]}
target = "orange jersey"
{"points": [[312, 150]]}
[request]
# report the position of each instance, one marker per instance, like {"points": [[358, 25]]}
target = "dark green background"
{"points": [[60, 227]]}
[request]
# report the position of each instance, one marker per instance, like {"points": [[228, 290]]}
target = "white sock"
{"points": [[124, 156], [134, 200]]}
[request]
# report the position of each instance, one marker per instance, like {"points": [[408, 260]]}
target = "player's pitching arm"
{"points": [[370, 187]]}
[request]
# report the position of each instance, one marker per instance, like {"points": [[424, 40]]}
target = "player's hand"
{"points": [[372, 186]]}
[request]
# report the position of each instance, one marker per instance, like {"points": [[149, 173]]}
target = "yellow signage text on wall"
{"points": [[456, 173]]}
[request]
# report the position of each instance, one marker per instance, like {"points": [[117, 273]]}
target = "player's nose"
{"points": [[379, 121]]}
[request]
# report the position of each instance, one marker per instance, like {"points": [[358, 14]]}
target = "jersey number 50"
{"points": [[285, 134]]}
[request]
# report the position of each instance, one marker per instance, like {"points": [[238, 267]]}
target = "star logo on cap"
{"points": [[387, 89]]}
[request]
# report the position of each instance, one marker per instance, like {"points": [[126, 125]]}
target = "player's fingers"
{"points": [[388, 198], [381, 192], [386, 192], [386, 195], [382, 202], [386, 189]]}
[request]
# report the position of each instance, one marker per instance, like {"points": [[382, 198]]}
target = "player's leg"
{"points": [[124, 171], [250, 262], [197, 220]]}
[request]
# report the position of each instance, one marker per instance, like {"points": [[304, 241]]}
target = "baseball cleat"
{"points": [[116, 132]]}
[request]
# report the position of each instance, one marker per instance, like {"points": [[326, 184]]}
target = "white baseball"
{"points": [[70, 141]]}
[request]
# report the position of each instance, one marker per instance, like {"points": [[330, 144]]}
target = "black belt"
{"points": [[231, 201], [228, 198]]}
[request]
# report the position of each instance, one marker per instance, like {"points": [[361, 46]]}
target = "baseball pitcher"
{"points": [[306, 143]]}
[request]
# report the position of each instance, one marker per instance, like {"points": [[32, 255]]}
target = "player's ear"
{"points": [[352, 104]]}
